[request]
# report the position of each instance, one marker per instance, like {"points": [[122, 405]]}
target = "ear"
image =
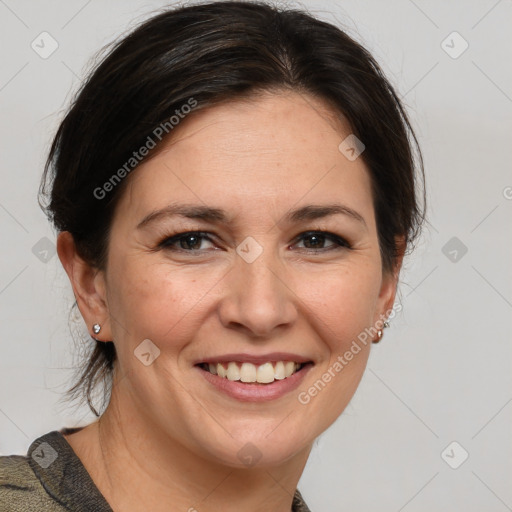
{"points": [[387, 294], [89, 287]]}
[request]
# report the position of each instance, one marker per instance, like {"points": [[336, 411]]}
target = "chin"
{"points": [[255, 451]]}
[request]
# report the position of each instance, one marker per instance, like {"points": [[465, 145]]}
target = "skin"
{"points": [[168, 438]]}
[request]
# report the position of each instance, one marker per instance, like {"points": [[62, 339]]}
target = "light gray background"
{"points": [[443, 370]]}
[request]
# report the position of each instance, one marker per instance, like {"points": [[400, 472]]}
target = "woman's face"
{"points": [[253, 283]]}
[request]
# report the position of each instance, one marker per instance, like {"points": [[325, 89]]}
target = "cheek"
{"points": [[341, 306], [156, 302], [341, 300]]}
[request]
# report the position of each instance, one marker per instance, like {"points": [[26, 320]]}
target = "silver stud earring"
{"points": [[96, 328], [380, 332]]}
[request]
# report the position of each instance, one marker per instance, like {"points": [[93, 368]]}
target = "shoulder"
{"points": [[299, 505], [20, 489], [15, 471], [50, 478], [24, 486]]}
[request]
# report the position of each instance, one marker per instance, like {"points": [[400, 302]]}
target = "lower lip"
{"points": [[255, 392]]}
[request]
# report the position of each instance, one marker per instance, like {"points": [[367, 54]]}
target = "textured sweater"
{"points": [[51, 478]]}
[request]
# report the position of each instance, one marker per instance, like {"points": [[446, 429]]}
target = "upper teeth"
{"points": [[248, 372]]}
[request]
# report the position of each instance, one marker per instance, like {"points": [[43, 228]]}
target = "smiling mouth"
{"points": [[265, 373]]}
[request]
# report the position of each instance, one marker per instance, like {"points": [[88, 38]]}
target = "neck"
{"points": [[136, 467]]}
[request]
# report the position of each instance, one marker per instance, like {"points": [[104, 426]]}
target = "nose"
{"points": [[257, 299]]}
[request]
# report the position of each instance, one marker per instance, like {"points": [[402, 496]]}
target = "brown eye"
{"points": [[190, 241], [315, 240]]}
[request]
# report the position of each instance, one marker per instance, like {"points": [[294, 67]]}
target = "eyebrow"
{"points": [[218, 216]]}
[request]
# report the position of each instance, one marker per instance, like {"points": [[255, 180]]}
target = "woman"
{"points": [[234, 190]]}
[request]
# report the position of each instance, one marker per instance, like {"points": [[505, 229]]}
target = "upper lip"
{"points": [[254, 359]]}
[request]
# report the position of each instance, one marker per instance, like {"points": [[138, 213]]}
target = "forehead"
{"points": [[271, 149], [266, 125]]}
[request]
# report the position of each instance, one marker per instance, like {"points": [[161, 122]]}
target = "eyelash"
{"points": [[169, 241]]}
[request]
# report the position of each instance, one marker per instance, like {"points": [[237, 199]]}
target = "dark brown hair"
{"points": [[216, 52]]}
